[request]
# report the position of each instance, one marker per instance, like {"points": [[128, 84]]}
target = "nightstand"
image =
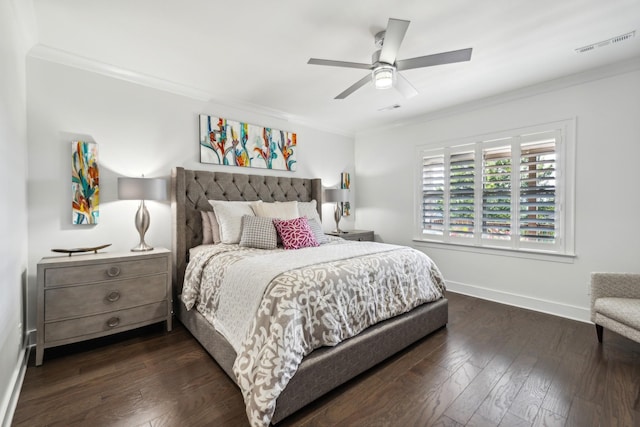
{"points": [[360, 235], [82, 297]]}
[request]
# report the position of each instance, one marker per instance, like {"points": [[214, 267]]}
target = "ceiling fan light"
{"points": [[383, 77]]}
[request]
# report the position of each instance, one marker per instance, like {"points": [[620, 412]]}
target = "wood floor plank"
{"points": [[493, 365], [547, 418], [528, 401], [472, 397], [502, 395], [586, 414]]}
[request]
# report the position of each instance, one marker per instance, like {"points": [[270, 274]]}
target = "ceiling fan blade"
{"points": [[396, 29], [435, 59], [354, 87], [315, 61], [404, 87]]}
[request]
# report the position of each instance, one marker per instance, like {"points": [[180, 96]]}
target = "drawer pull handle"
{"points": [[113, 322], [113, 296], [113, 271]]}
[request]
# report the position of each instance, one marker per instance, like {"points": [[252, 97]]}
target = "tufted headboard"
{"points": [[191, 191]]}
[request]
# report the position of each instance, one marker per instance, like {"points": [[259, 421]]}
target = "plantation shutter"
{"points": [[461, 194], [496, 193], [538, 191], [433, 195]]}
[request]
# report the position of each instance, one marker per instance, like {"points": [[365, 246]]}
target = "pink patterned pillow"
{"points": [[295, 233]]}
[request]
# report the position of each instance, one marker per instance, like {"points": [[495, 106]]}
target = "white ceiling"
{"points": [[255, 52]]}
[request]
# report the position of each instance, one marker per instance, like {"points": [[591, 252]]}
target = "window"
{"points": [[512, 192]]}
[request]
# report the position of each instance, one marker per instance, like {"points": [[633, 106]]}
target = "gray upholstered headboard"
{"points": [[191, 190]]}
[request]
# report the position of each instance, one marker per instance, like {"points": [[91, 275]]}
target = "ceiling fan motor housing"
{"points": [[379, 39]]}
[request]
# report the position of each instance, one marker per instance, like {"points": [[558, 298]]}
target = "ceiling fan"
{"points": [[384, 66]]}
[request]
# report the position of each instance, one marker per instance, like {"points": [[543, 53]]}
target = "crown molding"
{"points": [[618, 68], [59, 56], [63, 57]]}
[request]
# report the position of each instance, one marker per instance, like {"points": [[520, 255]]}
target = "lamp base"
{"points": [[142, 246], [337, 215], [142, 224]]}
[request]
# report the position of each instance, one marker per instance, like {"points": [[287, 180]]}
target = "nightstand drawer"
{"points": [[73, 301], [107, 322], [114, 270]]}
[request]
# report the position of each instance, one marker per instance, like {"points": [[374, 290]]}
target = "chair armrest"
{"points": [[619, 285]]}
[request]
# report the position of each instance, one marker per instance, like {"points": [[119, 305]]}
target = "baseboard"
{"points": [[544, 306], [9, 405]]}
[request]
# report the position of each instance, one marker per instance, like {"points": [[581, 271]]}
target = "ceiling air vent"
{"points": [[616, 39]]}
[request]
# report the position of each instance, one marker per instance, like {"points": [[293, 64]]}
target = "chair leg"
{"points": [[599, 332]]}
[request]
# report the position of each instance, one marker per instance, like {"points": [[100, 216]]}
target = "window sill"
{"points": [[514, 253]]}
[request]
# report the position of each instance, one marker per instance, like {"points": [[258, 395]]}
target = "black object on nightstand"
{"points": [[359, 235]]}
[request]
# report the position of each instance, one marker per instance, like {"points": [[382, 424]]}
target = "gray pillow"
{"points": [[258, 232], [316, 228]]}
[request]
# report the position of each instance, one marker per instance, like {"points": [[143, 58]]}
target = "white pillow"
{"points": [[310, 210], [210, 228], [229, 216], [279, 210]]}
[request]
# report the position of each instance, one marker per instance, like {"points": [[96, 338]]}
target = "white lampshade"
{"points": [[383, 77], [336, 195], [142, 188]]}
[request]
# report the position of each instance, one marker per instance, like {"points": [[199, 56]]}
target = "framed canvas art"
{"points": [[232, 143], [345, 182], [85, 183]]}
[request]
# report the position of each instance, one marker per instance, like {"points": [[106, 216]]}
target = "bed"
{"points": [[324, 368]]}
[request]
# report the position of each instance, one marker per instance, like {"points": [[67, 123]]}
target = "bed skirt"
{"points": [[328, 367]]}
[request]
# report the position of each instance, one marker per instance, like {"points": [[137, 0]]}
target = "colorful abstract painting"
{"points": [[85, 182], [345, 182], [227, 142]]}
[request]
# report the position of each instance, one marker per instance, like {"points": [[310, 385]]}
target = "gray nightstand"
{"points": [[359, 235], [88, 296]]}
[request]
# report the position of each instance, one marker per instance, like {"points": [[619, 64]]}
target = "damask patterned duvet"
{"points": [[276, 306]]}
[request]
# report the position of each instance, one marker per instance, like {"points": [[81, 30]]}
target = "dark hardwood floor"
{"points": [[493, 365]]}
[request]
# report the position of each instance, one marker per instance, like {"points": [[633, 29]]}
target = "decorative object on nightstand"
{"points": [[142, 189], [358, 235], [94, 295], [337, 196], [71, 251]]}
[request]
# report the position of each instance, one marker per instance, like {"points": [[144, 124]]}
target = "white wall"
{"points": [[607, 112], [13, 193], [138, 130]]}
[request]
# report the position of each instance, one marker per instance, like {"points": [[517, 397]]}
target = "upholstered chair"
{"points": [[615, 303]]}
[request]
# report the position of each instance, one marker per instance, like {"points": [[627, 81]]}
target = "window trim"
{"points": [[565, 156]]}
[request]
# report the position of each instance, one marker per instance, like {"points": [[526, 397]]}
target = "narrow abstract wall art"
{"points": [[232, 143], [85, 183], [345, 182]]}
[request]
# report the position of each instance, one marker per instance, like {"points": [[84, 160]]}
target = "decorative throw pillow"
{"points": [[229, 216], [215, 227], [280, 210], [316, 228], [207, 234], [258, 232], [295, 233], [310, 210]]}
